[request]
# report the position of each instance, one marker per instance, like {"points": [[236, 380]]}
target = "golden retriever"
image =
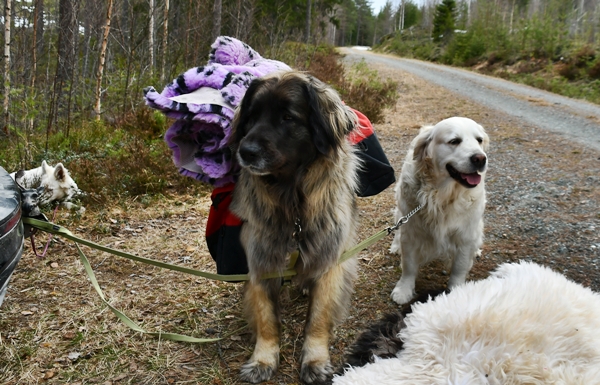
{"points": [[296, 191], [444, 171]]}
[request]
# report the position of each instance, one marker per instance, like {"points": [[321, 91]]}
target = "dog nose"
{"points": [[249, 152], [478, 160]]}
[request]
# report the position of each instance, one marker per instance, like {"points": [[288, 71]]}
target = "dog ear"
{"points": [[60, 173], [486, 141], [422, 141], [46, 169], [330, 120], [242, 114]]}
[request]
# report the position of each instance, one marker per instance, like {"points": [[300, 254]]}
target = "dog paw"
{"points": [[316, 373], [401, 296], [255, 372]]}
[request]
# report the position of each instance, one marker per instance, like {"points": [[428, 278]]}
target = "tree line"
{"points": [[67, 61], [464, 31]]}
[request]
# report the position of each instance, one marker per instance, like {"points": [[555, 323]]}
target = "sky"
{"points": [[376, 5]]}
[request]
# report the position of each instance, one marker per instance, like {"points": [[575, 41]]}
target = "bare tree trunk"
{"points": [[512, 17], [238, 24], [97, 104], [402, 8], [186, 53], [307, 25], [131, 49], [164, 41], [34, 48], [87, 39], [217, 10], [39, 12], [67, 37], [245, 18], [7, 30], [151, 37], [580, 17], [374, 33], [358, 22]]}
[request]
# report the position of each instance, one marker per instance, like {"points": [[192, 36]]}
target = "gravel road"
{"points": [[576, 119], [543, 184]]}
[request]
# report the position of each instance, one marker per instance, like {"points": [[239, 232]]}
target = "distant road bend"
{"points": [[574, 119]]}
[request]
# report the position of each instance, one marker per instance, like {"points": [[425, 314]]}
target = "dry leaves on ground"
{"points": [[543, 195]]}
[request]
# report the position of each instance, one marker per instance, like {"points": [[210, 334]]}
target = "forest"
{"points": [[74, 70], [72, 60]]}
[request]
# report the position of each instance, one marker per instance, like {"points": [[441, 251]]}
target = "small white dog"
{"points": [[444, 171], [54, 184]]}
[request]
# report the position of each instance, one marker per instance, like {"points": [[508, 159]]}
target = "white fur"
{"points": [[56, 182], [450, 225], [523, 325]]}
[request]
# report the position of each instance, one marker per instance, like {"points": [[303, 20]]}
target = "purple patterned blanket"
{"points": [[203, 100]]}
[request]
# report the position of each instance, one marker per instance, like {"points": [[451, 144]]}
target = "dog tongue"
{"points": [[472, 179]]}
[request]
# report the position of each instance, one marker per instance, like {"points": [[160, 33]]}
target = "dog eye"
{"points": [[479, 140], [287, 117], [455, 141]]}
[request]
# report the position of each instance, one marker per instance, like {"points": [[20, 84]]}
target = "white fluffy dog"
{"points": [[444, 171], [523, 325], [54, 184]]}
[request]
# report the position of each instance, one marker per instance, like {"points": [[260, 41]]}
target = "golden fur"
{"points": [[296, 190], [444, 171]]}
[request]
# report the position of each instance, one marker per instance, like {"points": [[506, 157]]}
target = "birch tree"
{"points": [[217, 10], [151, 37], [7, 30], [68, 30], [307, 25], [38, 30], [98, 93], [164, 40]]}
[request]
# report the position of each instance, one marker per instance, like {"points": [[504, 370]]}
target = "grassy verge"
{"points": [[570, 69]]}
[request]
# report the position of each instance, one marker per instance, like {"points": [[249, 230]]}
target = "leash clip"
{"points": [[404, 219], [297, 230]]}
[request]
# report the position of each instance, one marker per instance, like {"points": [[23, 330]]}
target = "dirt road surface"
{"points": [[576, 119], [543, 190]]}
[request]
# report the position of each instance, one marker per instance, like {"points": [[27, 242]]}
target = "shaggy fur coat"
{"points": [[526, 324]]}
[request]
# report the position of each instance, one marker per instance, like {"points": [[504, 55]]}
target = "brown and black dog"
{"points": [[296, 191]]}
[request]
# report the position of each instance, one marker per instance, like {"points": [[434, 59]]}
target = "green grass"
{"points": [[571, 68]]}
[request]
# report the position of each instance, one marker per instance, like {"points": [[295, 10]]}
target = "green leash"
{"points": [[64, 232], [59, 230], [287, 274]]}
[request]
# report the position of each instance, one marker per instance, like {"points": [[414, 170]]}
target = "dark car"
{"points": [[11, 229]]}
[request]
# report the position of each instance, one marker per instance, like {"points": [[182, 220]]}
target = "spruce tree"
{"points": [[443, 21]]}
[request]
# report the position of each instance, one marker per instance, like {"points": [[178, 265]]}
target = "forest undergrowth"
{"points": [[128, 158]]}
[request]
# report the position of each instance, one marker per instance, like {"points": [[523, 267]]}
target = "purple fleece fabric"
{"points": [[200, 135]]}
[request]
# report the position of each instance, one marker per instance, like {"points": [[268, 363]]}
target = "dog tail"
{"points": [[381, 339]]}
